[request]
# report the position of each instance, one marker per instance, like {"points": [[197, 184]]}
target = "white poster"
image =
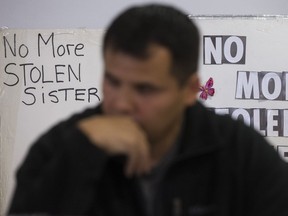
{"points": [[244, 71]]}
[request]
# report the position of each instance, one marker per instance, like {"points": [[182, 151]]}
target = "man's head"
{"points": [[150, 63], [134, 30]]}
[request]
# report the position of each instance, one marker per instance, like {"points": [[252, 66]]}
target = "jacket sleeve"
{"points": [[269, 179], [59, 174], [264, 176], [253, 179]]}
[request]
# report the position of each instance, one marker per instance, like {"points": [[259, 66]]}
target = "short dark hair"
{"points": [[137, 27]]}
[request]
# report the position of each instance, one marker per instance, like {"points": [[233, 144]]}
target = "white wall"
{"points": [[98, 13]]}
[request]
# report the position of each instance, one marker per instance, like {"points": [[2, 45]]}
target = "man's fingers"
{"points": [[138, 162], [118, 135], [131, 163]]}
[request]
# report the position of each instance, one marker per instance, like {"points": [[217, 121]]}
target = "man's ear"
{"points": [[192, 89]]}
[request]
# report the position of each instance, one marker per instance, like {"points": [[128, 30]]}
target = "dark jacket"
{"points": [[222, 168]]}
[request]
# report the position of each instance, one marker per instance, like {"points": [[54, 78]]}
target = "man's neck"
{"points": [[162, 147]]}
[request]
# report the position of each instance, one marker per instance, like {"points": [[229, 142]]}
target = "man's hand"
{"points": [[120, 135]]}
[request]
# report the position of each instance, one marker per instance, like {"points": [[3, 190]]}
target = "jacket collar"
{"points": [[198, 136]]}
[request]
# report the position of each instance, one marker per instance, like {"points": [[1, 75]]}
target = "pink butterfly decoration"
{"points": [[207, 90]]}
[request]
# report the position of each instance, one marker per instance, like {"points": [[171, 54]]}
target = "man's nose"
{"points": [[124, 102]]}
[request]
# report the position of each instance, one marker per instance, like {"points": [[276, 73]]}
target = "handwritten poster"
{"points": [[46, 75]]}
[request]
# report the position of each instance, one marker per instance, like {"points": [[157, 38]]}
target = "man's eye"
{"points": [[146, 89], [111, 81]]}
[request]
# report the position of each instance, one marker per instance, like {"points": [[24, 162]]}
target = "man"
{"points": [[150, 148]]}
